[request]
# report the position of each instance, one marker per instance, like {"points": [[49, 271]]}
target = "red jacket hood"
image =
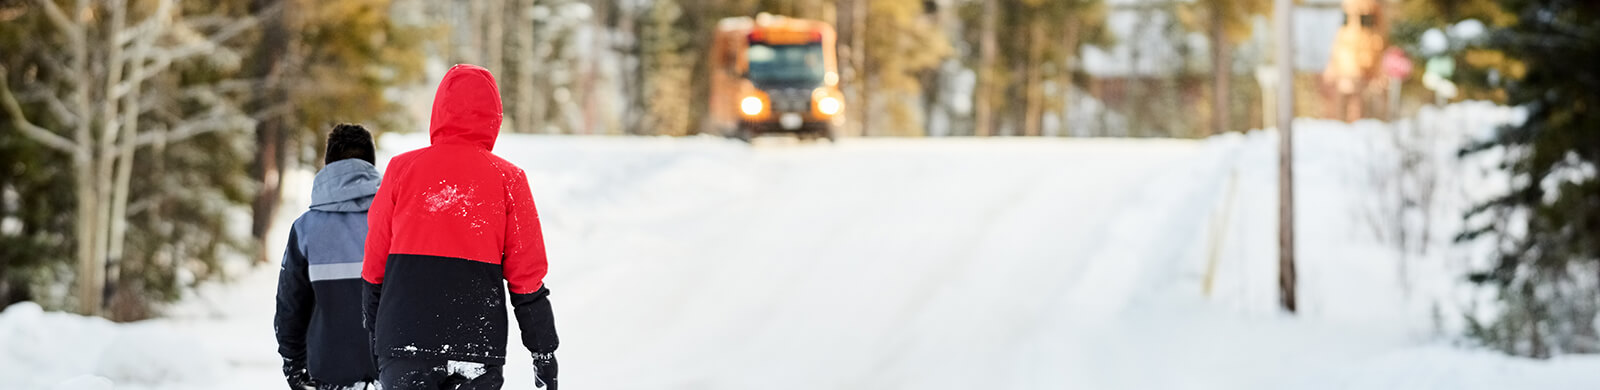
{"points": [[466, 109]]}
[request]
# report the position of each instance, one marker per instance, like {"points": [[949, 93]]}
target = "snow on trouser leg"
{"points": [[352, 386], [442, 308], [433, 374]]}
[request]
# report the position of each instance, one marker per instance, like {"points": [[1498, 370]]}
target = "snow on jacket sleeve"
{"points": [[523, 258], [295, 302], [525, 267]]}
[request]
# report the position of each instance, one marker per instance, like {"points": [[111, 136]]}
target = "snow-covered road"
{"points": [[868, 265], [705, 264], [702, 263]]}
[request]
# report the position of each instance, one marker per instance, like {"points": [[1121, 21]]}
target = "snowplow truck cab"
{"points": [[774, 74]]}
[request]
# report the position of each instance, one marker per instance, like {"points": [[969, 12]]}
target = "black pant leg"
{"points": [[493, 378], [362, 385], [411, 373]]}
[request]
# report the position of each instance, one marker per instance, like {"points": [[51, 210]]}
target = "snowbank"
{"points": [[48, 350]]}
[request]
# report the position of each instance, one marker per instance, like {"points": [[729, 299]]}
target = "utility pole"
{"points": [[1283, 12]]}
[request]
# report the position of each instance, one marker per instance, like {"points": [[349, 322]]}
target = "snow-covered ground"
{"points": [[701, 263]]}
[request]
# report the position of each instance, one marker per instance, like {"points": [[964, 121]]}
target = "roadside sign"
{"points": [[1396, 64]]}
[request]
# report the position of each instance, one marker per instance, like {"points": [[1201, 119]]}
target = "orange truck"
{"points": [[774, 74]]}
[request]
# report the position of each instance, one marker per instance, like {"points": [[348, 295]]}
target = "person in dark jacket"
{"points": [[318, 324], [452, 228]]}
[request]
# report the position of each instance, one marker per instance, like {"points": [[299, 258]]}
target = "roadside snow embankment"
{"points": [[49, 350]]}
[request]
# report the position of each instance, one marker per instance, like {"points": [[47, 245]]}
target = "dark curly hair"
{"points": [[350, 141]]}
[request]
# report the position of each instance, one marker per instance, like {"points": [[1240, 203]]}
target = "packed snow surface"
{"points": [[702, 263]]}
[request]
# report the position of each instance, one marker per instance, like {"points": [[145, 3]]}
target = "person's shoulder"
{"points": [[500, 164], [301, 220], [308, 219], [408, 156], [297, 228]]}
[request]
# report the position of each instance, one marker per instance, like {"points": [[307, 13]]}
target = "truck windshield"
{"points": [[786, 65]]}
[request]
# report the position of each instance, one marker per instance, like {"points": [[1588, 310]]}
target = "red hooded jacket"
{"points": [[448, 223]]}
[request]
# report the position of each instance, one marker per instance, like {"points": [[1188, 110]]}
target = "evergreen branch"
{"points": [[21, 122]]}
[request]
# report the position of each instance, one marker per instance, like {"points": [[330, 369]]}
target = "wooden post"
{"points": [[1285, 58]]}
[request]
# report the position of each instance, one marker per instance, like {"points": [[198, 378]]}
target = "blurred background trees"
{"points": [[137, 136], [131, 125]]}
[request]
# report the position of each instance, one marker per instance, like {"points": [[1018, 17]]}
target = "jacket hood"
{"points": [[345, 186], [466, 108]]}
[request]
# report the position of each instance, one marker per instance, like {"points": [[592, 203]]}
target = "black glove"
{"points": [[297, 376], [544, 370], [369, 317]]}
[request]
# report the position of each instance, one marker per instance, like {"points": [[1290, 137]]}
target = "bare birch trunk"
{"points": [[90, 284]]}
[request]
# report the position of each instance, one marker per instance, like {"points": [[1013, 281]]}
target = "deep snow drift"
{"points": [[701, 263]]}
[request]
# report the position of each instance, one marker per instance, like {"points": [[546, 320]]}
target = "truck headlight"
{"points": [[829, 105], [751, 105]]}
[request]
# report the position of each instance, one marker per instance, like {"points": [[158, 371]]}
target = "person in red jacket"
{"points": [[449, 223]]}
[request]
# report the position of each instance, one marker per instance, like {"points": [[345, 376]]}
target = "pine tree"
{"points": [[35, 203], [1548, 271]]}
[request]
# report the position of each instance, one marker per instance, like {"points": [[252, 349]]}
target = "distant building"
{"points": [[1156, 68]]}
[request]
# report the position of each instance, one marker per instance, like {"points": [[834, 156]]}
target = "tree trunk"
{"points": [[1221, 72], [473, 53], [589, 81], [1068, 54], [523, 87], [982, 107], [90, 283], [110, 126], [1033, 113], [271, 132], [131, 107], [494, 45], [858, 48]]}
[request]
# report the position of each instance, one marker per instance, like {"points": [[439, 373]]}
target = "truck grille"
{"points": [[790, 100]]}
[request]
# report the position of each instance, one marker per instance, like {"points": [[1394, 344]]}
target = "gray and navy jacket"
{"points": [[319, 287]]}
